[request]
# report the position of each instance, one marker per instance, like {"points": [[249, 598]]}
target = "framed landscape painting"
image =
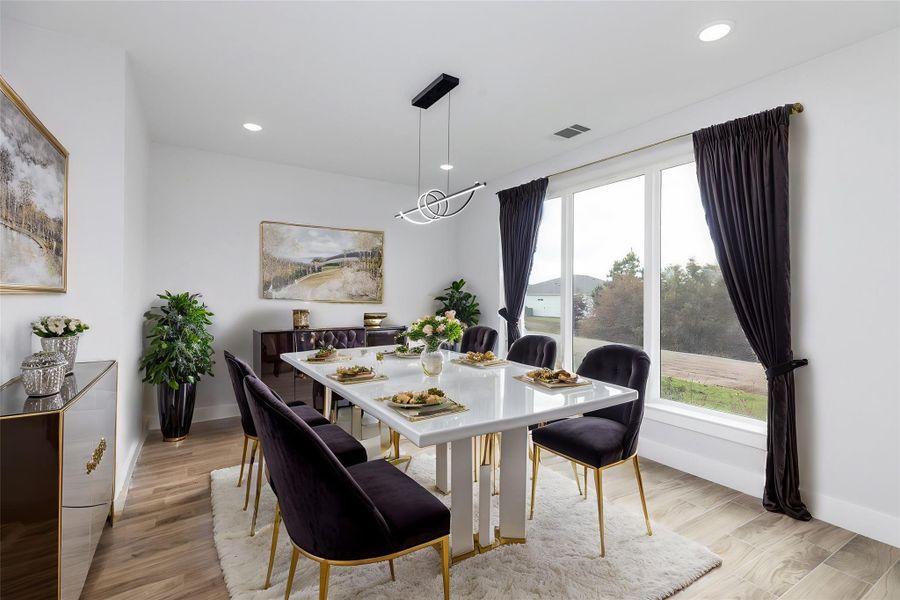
{"points": [[321, 264], [33, 203]]}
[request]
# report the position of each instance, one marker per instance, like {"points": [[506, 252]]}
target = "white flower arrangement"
{"points": [[433, 330], [49, 327]]}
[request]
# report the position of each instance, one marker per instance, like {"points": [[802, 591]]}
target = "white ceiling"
{"points": [[331, 83]]}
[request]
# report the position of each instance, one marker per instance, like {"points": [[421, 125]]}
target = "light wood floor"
{"points": [[162, 546]]}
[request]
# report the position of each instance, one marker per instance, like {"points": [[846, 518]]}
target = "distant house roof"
{"points": [[584, 284]]}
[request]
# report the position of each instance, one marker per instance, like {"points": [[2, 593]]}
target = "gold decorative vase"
{"points": [[373, 319], [301, 318]]}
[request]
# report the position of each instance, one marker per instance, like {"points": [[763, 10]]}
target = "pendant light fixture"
{"points": [[435, 204]]}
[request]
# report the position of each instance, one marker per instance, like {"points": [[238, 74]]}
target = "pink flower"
{"points": [[441, 328], [427, 330], [450, 314]]}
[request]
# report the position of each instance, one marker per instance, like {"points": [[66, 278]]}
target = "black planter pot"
{"points": [[176, 409]]}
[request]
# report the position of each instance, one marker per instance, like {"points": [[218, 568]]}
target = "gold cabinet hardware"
{"points": [[96, 457]]}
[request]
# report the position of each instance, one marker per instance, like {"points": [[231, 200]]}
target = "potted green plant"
{"points": [[178, 354], [463, 304]]}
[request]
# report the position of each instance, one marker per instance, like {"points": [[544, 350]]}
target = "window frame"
{"points": [[650, 163]]}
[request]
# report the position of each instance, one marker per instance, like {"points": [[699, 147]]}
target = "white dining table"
{"points": [[496, 402]]}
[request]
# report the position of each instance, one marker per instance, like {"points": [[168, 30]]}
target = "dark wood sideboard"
{"points": [[291, 384], [57, 473]]}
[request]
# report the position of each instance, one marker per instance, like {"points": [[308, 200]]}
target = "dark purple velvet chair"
{"points": [[337, 515], [602, 438], [535, 350], [478, 339], [348, 450]]}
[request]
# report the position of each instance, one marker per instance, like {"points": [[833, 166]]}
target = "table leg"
{"points": [[356, 422], [326, 408], [462, 543], [441, 468], [485, 467], [513, 478]]}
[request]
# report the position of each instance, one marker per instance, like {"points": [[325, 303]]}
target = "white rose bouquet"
{"points": [[51, 327], [434, 330]]}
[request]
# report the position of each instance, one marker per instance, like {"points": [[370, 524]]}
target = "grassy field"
{"points": [[715, 397]]}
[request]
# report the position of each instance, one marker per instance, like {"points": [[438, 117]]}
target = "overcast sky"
{"points": [[609, 221]]}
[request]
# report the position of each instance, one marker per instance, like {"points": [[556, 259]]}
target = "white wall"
{"points": [[78, 90], [846, 280], [132, 430], [204, 217]]}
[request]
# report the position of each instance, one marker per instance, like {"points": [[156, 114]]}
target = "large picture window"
{"points": [[629, 260]]}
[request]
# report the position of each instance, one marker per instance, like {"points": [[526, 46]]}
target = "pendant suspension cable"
{"points": [[419, 172], [449, 95]]}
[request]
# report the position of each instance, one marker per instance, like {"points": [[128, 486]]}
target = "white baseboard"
{"points": [[853, 517], [122, 492], [861, 519], [729, 475], [205, 413]]}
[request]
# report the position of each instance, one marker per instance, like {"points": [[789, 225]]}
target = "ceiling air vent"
{"points": [[571, 131]]}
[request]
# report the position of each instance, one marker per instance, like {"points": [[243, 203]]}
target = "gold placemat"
{"points": [[334, 377], [481, 365], [451, 407], [554, 386], [320, 361]]}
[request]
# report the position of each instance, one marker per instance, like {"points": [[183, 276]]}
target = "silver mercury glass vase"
{"points": [[67, 345]]}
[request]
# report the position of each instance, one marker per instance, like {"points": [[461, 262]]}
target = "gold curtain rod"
{"points": [[796, 108]]}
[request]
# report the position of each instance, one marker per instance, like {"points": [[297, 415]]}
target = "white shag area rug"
{"points": [[560, 560]]}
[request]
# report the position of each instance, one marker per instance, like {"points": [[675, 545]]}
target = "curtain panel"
{"points": [[521, 208], [742, 169]]}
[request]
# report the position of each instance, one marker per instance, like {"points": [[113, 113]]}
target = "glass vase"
{"points": [[432, 362]]}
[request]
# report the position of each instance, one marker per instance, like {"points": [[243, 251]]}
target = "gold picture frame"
{"points": [[315, 263], [32, 237]]}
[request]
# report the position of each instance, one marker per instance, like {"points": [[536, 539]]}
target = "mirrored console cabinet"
{"points": [[57, 473]]}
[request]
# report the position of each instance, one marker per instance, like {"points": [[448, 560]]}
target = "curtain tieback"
{"points": [[785, 367], [505, 314]]}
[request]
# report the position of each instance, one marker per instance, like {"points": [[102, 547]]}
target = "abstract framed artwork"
{"points": [[33, 201], [321, 264]]}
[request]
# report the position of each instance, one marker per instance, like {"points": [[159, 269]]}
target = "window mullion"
{"points": [[652, 239], [566, 285]]}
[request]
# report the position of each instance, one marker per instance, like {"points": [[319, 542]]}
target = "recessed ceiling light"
{"points": [[446, 167], [714, 31], [252, 127]]}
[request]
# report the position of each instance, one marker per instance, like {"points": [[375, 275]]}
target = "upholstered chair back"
{"points": [[535, 350], [479, 339], [339, 338], [622, 365], [238, 370], [324, 510]]}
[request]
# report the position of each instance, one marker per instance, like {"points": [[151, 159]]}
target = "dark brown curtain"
{"points": [[521, 208], [742, 168]]}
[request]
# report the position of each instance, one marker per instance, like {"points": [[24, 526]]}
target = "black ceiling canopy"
{"points": [[436, 90]]}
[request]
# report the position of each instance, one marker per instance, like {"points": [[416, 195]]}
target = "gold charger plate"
{"points": [[484, 364], [448, 407], [336, 358], [556, 385], [352, 380]]}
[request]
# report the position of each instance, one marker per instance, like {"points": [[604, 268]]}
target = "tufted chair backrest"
{"points": [[535, 350], [626, 366]]}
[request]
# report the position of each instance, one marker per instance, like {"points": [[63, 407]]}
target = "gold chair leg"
{"points": [[243, 459], [585, 484], [259, 475], [290, 582], [276, 525], [395, 442], [250, 473], [640, 482], [391, 565], [577, 478], [445, 566], [534, 473], [324, 570], [598, 484]]}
